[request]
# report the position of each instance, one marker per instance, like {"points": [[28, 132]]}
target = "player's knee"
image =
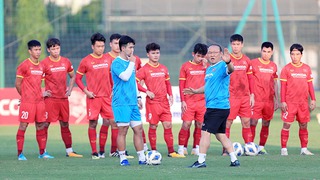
{"points": [[186, 125], [64, 124], [253, 122], [303, 125], [286, 126], [198, 124], [153, 126], [229, 123], [265, 123], [167, 125], [93, 124], [23, 126]]}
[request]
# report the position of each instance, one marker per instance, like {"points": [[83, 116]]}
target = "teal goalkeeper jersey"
{"points": [[124, 92], [216, 89]]}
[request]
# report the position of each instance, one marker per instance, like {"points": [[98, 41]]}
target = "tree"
{"points": [[32, 23]]}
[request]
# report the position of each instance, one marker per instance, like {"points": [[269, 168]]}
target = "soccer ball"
{"points": [[250, 149], [238, 149], [153, 157]]}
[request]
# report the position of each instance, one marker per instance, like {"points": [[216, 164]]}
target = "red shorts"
{"points": [[99, 105], [298, 110], [57, 109], [264, 110], [30, 112], [195, 111], [240, 107], [156, 112]]}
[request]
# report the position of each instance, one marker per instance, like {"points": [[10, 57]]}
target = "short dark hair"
{"points": [[33, 43], [236, 37], [216, 44], [97, 37], [124, 40], [115, 36], [52, 42], [296, 46], [152, 47], [200, 49], [267, 45]]}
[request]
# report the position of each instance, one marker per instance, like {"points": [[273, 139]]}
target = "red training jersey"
{"points": [[193, 74], [239, 83], [97, 71], [297, 78], [264, 74], [155, 78], [110, 57], [31, 74], [56, 79]]}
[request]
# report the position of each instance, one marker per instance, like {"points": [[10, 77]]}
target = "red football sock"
{"points": [[303, 135], [228, 132], [92, 138], [66, 136], [41, 139], [182, 136], [114, 136], [196, 137], [264, 133], [103, 136], [168, 138], [246, 135], [153, 138], [46, 132], [253, 132], [144, 136], [187, 139], [284, 138], [20, 140]]}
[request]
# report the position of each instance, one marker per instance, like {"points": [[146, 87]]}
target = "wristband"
{"points": [[139, 97]]}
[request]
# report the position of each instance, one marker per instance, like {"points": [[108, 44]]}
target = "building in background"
{"points": [[177, 25]]}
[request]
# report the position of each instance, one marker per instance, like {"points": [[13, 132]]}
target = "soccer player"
{"points": [[112, 54], [192, 106], [126, 100], [241, 89], [296, 87], [216, 90], [57, 104], [32, 109], [265, 93], [157, 80], [96, 68]]}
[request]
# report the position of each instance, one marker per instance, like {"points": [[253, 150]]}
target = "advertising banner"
{"points": [[9, 106]]}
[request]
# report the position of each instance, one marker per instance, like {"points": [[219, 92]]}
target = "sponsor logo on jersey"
{"points": [[36, 72], [157, 74], [240, 67], [197, 72], [58, 69], [299, 75], [265, 70], [100, 66], [209, 75]]}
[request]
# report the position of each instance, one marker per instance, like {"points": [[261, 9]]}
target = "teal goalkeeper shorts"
{"points": [[125, 114]]}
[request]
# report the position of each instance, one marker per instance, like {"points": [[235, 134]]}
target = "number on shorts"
{"points": [[25, 115], [285, 115]]}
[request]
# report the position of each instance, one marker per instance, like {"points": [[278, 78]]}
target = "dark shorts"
{"points": [[215, 120]]}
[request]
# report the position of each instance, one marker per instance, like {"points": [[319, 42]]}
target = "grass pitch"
{"points": [[271, 166]]}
